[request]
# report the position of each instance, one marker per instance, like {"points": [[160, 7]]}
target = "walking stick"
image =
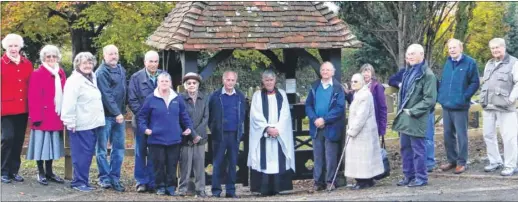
{"points": [[339, 162]]}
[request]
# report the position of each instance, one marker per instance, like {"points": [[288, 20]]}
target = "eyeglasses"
{"points": [[51, 56], [191, 82], [354, 81]]}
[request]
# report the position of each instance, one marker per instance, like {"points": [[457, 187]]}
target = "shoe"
{"points": [[17, 178], [104, 185], [507, 171], [448, 166], [83, 188], [160, 191], [41, 179], [216, 195], [359, 186], [317, 188], [429, 170], [6, 179], [330, 187], [405, 181], [417, 183], [231, 196], [117, 186], [141, 188], [170, 191], [492, 167], [91, 188], [55, 178], [459, 169], [201, 194]]}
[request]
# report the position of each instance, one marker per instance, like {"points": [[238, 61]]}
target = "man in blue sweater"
{"points": [[459, 83], [226, 123], [111, 80], [325, 108]]}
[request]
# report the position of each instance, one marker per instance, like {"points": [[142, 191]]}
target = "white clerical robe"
{"points": [[258, 123]]}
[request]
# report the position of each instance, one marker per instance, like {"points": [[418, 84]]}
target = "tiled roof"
{"points": [[217, 25]]}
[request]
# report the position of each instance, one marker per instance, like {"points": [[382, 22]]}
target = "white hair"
{"points": [[328, 63], [269, 74], [360, 79], [109, 47], [164, 75], [48, 50], [12, 37], [415, 48], [149, 55], [497, 42], [455, 41], [84, 56]]}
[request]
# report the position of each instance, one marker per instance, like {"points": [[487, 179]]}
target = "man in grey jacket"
{"points": [[111, 80], [142, 83], [498, 96]]}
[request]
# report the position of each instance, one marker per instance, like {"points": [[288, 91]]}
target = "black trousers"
{"points": [[13, 136], [165, 159]]}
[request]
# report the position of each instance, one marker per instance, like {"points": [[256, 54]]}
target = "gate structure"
{"points": [[223, 26]]}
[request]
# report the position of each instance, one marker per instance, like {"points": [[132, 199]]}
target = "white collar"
{"points": [[326, 85], [172, 94], [225, 92]]}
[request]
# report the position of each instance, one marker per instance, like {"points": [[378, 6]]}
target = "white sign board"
{"points": [[291, 86]]}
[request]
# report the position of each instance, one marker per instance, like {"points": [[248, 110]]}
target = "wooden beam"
{"points": [[312, 60], [275, 60], [189, 61], [214, 61], [291, 60]]}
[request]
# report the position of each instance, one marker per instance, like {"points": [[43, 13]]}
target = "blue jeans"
{"points": [[413, 156], [227, 148], [116, 134], [429, 141], [143, 172]]}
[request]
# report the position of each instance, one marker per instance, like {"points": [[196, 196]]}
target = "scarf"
{"points": [[89, 77], [58, 96], [16, 60]]}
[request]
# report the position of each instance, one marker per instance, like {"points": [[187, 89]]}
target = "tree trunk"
{"points": [[82, 40], [401, 34], [462, 17]]}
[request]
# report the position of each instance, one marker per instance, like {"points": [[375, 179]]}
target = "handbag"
{"points": [[386, 163]]}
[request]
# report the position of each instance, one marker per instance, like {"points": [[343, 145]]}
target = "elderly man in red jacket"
{"points": [[14, 77]]}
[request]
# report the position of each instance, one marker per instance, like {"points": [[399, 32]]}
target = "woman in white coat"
{"points": [[363, 154]]}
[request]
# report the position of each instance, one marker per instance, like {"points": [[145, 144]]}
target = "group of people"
{"points": [[170, 128]]}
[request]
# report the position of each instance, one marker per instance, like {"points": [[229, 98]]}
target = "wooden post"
{"points": [[290, 64], [68, 158]]}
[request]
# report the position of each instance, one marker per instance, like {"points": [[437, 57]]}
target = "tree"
{"points": [[462, 17], [86, 26], [399, 24], [511, 20], [487, 23]]}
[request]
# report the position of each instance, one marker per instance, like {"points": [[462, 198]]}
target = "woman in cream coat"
{"points": [[363, 154]]}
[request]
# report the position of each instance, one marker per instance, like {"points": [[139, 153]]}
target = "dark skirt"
{"points": [[270, 184]]}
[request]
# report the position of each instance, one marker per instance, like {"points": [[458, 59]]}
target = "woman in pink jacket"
{"points": [[45, 98]]}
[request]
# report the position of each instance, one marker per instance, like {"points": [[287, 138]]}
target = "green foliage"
{"points": [[125, 24], [487, 23], [511, 20]]}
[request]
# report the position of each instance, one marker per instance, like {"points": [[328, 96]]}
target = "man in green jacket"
{"points": [[417, 95]]}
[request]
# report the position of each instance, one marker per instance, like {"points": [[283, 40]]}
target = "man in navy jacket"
{"points": [[459, 83], [111, 80], [325, 108], [226, 123], [143, 83]]}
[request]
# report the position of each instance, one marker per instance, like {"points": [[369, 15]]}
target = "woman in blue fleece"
{"points": [[163, 117]]}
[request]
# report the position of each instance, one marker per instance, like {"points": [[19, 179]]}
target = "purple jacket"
{"points": [[380, 105]]}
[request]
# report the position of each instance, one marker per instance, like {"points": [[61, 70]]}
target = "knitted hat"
{"points": [[191, 75]]}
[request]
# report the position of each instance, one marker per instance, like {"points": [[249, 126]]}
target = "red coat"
{"points": [[41, 100], [14, 80]]}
